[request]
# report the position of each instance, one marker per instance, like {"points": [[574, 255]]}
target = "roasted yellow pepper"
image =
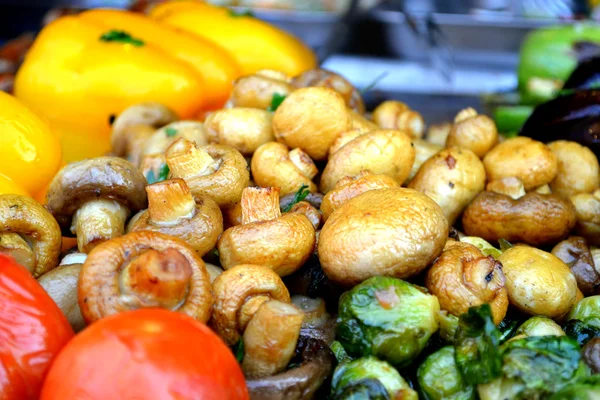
{"points": [[29, 152], [255, 44], [79, 75]]}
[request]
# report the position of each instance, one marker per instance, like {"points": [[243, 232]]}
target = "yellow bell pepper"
{"points": [[255, 44], [29, 152], [79, 75]]}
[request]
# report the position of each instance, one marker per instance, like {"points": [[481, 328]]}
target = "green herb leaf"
{"points": [[122, 37], [276, 101], [504, 244], [298, 197], [238, 351], [374, 83], [241, 13], [170, 131], [151, 177], [478, 356], [163, 173]]}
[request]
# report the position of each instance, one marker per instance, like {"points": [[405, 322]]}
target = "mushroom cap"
{"points": [[162, 138], [61, 286], [391, 232], [578, 169], [257, 90], [103, 177]]}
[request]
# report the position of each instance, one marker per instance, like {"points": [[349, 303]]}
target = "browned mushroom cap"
{"points": [[172, 210], [219, 172], [345, 138], [311, 119], [93, 198], [393, 232], [351, 186], [361, 123], [162, 138], [386, 152], [309, 211], [329, 79], [587, 208], [536, 219], [29, 233], [472, 131], [239, 292], [590, 353], [274, 165], [575, 252], [280, 242], [316, 364], [463, 277], [394, 114], [257, 90], [144, 269], [135, 125]]}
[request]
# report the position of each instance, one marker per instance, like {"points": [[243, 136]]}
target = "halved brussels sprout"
{"points": [[540, 326], [486, 248], [439, 377], [585, 309]]}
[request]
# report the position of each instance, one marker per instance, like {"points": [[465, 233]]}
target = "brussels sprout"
{"points": [[439, 378], [355, 373], [448, 326], [339, 352], [486, 248], [477, 344], [388, 318], [535, 367], [581, 331], [509, 325], [370, 389], [540, 326], [585, 309], [587, 388]]}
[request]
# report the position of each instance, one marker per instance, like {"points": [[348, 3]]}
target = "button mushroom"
{"points": [[535, 219], [135, 125], [310, 212], [311, 119], [257, 90], [281, 242], [361, 123], [29, 233], [575, 252], [511, 186], [531, 161], [587, 208], [217, 171], [391, 232], [394, 114], [387, 152], [61, 285], [93, 199], [323, 78], [463, 277], [578, 169], [274, 165], [164, 137], [472, 131], [590, 353], [351, 186], [244, 129], [144, 269], [172, 210], [438, 134], [452, 178], [424, 150], [345, 138], [239, 292]]}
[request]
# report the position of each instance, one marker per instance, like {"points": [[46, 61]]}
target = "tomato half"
{"points": [[150, 354], [32, 332]]}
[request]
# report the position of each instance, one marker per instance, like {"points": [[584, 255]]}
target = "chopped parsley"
{"points": [[163, 174], [298, 197], [122, 37], [170, 131], [374, 83], [241, 13], [276, 101]]}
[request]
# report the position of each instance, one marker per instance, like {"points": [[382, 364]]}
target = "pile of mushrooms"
{"points": [[293, 179]]}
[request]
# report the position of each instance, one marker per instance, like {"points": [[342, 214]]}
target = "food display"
{"points": [[223, 225]]}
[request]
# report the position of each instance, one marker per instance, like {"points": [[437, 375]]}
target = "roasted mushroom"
{"points": [[309, 211], [361, 123], [587, 209], [257, 90], [274, 165], [452, 178], [438, 134], [472, 131], [160, 141], [591, 354], [578, 169], [172, 210], [392, 232], [93, 198], [239, 292], [311, 119], [575, 252], [244, 129], [462, 277], [144, 269], [345, 138], [387, 152], [281, 242], [424, 150], [216, 171], [134, 126], [512, 187], [29, 233], [536, 219], [394, 114]]}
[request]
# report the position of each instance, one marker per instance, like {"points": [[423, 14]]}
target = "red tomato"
{"points": [[150, 354], [32, 331]]}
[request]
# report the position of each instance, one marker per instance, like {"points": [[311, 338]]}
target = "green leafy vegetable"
{"points": [[241, 13], [339, 352], [374, 83], [509, 325], [276, 101], [298, 197], [504, 244], [170, 131], [587, 388], [539, 326], [448, 326], [439, 378], [477, 344], [238, 351], [163, 174], [122, 37], [581, 331], [363, 389]]}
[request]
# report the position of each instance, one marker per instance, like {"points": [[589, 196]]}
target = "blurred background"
{"points": [[437, 55]]}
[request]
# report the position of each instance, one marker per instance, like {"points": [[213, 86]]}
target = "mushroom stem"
{"points": [[185, 160], [270, 339], [15, 246], [158, 279], [260, 204], [169, 202], [98, 221], [303, 162], [249, 308]]}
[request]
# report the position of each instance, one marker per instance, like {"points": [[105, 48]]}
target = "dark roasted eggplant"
{"points": [[585, 76]]}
